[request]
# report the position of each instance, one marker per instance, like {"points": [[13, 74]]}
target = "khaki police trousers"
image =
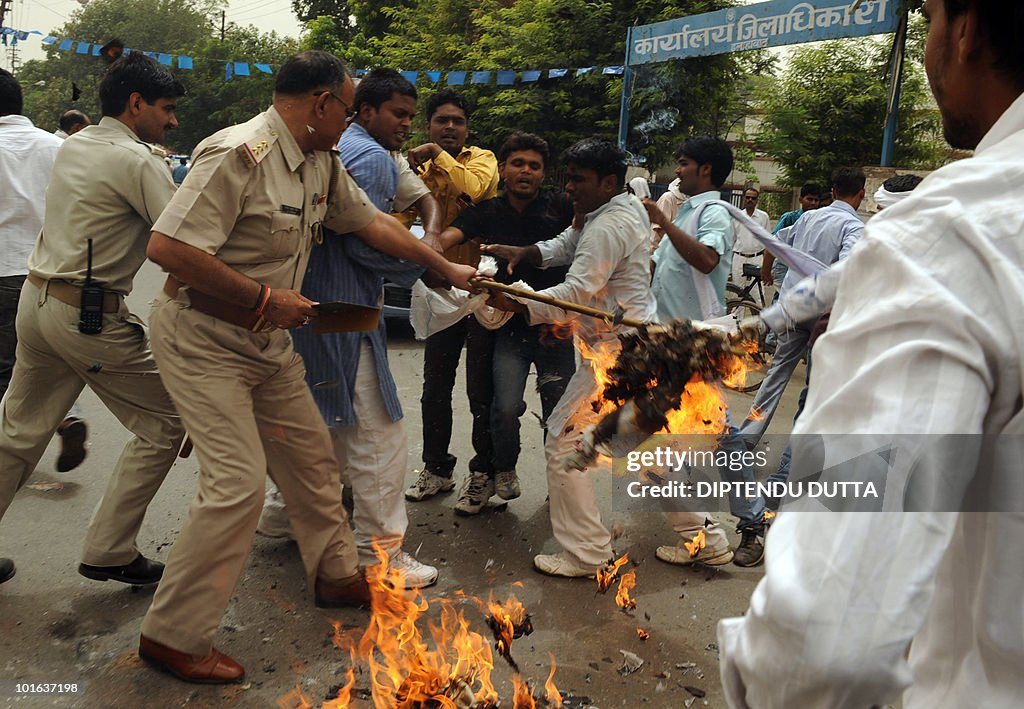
{"points": [[54, 363], [245, 403]]}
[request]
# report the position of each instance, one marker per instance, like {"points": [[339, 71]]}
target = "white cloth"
{"points": [[26, 160], [435, 309], [745, 248], [884, 198], [640, 188], [925, 337]]}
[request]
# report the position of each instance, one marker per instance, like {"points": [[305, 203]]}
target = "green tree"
{"points": [[179, 27], [828, 109], [670, 100]]}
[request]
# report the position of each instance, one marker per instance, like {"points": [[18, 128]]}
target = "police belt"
{"points": [[71, 294], [221, 309]]}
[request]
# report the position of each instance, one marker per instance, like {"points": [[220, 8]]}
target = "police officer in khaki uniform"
{"points": [[236, 239], [107, 185]]}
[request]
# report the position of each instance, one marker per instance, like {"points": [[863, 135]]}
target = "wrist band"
{"points": [[264, 302], [259, 297]]}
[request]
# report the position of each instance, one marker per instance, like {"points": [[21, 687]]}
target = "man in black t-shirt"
{"points": [[522, 215]]}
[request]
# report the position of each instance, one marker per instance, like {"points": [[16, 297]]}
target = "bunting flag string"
{"points": [[232, 68]]}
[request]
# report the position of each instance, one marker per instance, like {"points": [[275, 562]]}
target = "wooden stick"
{"points": [[609, 318]]}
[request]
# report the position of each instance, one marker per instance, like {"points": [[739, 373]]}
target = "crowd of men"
{"points": [[268, 224]]}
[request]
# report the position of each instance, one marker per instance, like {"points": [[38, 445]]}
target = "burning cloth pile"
{"points": [[648, 379]]}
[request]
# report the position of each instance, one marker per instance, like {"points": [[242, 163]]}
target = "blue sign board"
{"points": [[767, 24]]}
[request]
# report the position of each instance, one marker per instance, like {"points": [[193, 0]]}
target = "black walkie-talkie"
{"points": [[90, 319]]}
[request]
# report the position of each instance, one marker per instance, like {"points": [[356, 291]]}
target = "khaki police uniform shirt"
{"points": [[109, 186], [256, 202]]}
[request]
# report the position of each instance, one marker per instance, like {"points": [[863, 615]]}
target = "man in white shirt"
{"points": [[26, 160], [669, 204], [607, 250], [924, 338], [747, 249]]}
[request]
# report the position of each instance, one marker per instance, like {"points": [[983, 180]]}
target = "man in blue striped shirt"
{"points": [[348, 372]]}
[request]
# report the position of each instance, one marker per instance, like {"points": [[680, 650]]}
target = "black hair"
{"points": [[1002, 23], [309, 72], [706, 150], [136, 73], [72, 118], [752, 189], [447, 96], [523, 141], [183, 161], [902, 183], [379, 86], [848, 181], [602, 156], [810, 188], [11, 100]]}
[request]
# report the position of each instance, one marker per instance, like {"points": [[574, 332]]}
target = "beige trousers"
{"points": [[249, 412], [54, 363]]}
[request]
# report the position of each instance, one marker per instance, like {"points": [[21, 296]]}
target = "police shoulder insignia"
{"points": [[253, 151]]}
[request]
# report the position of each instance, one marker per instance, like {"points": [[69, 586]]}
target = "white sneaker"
{"points": [[677, 555], [274, 522], [563, 564], [477, 489], [428, 485], [416, 574], [506, 484]]}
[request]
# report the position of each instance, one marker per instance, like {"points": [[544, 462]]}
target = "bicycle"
{"points": [[741, 303]]}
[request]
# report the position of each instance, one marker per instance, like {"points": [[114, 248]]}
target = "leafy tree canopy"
{"points": [[828, 109], [184, 27]]}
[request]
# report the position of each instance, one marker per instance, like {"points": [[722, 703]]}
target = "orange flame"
{"points": [[642, 634], [555, 332], [622, 597], [699, 542], [507, 620], [522, 696], [295, 699], [607, 574], [405, 671], [551, 693], [344, 697]]}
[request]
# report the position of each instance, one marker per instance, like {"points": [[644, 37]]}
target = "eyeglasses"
{"points": [[349, 113]]}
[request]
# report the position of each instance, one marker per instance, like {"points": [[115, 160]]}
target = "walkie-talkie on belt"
{"points": [[90, 321]]}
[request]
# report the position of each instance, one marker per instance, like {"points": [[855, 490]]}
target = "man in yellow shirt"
{"points": [[458, 175]]}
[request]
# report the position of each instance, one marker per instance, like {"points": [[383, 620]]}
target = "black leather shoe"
{"points": [[7, 570], [73, 433], [140, 572]]}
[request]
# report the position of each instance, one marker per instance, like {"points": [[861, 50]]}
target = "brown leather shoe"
{"points": [[334, 594], [214, 668]]}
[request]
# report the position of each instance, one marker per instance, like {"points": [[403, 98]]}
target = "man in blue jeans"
{"points": [[522, 215]]}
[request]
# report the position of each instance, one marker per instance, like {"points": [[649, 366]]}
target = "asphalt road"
{"points": [[58, 627]]}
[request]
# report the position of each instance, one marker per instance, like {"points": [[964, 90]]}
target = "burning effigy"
{"points": [[653, 373]]}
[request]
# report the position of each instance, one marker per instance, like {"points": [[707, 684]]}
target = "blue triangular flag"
{"points": [[265, 68], [410, 76], [530, 75], [581, 72], [614, 70], [434, 76], [165, 59], [360, 72], [65, 44], [456, 78], [506, 78], [151, 55], [241, 69], [480, 77], [227, 71], [49, 39], [184, 62], [83, 48], [96, 50], [557, 73]]}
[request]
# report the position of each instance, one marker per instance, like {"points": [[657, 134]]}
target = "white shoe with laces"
{"points": [[563, 564], [476, 491], [427, 485], [415, 573]]}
